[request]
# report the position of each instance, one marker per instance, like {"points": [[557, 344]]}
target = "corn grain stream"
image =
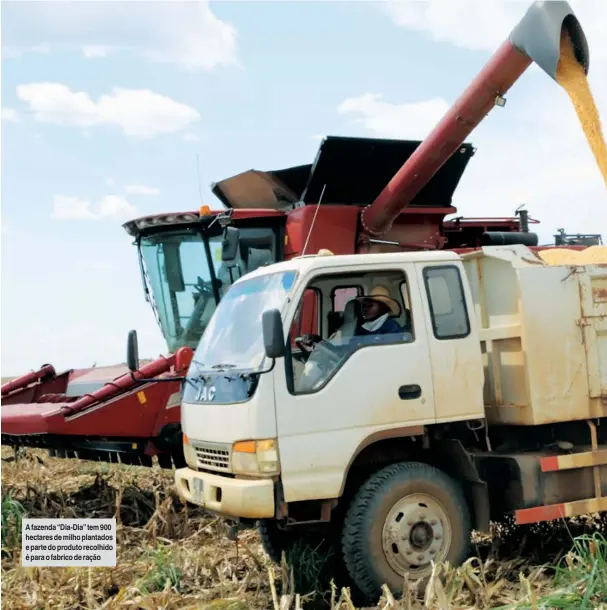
{"points": [[571, 76]]}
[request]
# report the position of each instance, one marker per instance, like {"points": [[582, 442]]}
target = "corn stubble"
{"points": [[170, 557]]}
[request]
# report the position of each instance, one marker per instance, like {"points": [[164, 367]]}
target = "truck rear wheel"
{"points": [[402, 518]]}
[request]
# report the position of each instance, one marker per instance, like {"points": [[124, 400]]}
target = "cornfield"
{"points": [[172, 557]]}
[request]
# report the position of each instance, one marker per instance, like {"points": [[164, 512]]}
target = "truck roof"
{"points": [[327, 260]]}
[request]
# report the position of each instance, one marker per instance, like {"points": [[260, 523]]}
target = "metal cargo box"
{"points": [[543, 331]]}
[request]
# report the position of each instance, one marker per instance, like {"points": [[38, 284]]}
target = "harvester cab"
{"points": [[189, 260]]}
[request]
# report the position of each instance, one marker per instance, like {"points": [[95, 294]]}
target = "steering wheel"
{"points": [[303, 345]]}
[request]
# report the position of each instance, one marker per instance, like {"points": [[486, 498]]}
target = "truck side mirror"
{"points": [[273, 336], [229, 244], [132, 351]]}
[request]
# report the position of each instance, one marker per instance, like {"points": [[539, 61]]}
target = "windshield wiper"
{"points": [[223, 366]]}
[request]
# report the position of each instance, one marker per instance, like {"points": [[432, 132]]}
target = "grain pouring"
{"points": [[571, 76]]}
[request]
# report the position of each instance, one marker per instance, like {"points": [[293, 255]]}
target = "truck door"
{"points": [[453, 343], [368, 388]]}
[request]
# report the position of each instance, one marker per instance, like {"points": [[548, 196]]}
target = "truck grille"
{"points": [[213, 457]]}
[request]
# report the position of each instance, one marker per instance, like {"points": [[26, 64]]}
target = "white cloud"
{"points": [[137, 112], [9, 114], [386, 120], [190, 137], [482, 25], [95, 51], [66, 207], [141, 189], [471, 24], [183, 33]]}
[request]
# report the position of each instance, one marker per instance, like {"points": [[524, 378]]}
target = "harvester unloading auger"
{"points": [[190, 259]]}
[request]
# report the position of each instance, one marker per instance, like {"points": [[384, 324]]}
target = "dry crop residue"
{"points": [[570, 75], [179, 558]]}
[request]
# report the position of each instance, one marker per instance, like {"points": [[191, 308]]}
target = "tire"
{"points": [[433, 524]]}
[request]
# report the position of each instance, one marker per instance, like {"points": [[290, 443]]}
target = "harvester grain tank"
{"points": [[190, 259], [407, 441]]}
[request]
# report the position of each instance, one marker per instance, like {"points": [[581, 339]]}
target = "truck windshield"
{"points": [[179, 266], [233, 339]]}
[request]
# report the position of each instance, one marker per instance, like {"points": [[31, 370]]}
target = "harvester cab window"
{"points": [[361, 310], [446, 299], [178, 271]]}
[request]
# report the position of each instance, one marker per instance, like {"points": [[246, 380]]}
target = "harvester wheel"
{"points": [[274, 540], [404, 517], [313, 554], [165, 461]]}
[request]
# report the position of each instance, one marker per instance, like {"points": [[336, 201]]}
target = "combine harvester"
{"points": [[189, 260]]}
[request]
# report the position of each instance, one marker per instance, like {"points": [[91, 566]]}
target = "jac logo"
{"points": [[206, 394]]}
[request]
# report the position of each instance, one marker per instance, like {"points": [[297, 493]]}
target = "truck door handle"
{"points": [[408, 392]]}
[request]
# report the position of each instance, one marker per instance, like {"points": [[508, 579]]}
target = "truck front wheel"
{"points": [[404, 517]]}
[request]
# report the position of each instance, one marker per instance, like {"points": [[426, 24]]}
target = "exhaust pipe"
{"points": [[536, 38]]}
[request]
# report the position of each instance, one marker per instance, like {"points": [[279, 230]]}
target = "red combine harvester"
{"points": [[359, 195]]}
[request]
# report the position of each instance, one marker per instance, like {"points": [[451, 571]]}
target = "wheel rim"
{"points": [[417, 530]]}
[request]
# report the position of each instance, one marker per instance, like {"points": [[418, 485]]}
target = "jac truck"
{"points": [[485, 396]]}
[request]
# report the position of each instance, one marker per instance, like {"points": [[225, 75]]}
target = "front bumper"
{"points": [[245, 498]]}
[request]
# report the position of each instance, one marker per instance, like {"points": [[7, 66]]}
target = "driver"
{"points": [[378, 312]]}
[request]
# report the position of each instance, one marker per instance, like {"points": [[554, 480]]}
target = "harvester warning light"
{"points": [[205, 210]]}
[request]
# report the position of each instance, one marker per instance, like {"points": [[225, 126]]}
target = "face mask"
{"points": [[375, 324]]}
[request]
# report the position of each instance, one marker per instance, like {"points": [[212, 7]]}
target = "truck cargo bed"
{"points": [[543, 331]]}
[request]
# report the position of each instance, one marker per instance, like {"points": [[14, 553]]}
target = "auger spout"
{"points": [[536, 38]]}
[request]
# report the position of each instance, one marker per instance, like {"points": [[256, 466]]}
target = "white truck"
{"points": [[487, 397]]}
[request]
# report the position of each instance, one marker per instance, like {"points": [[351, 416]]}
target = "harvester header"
{"points": [[536, 38]]}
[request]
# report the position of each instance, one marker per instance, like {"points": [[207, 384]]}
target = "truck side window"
{"points": [[447, 302], [354, 323]]}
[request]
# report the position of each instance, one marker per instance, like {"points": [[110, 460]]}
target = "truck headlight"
{"points": [[189, 453], [255, 457]]}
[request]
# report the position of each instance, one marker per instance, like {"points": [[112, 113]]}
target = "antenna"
{"points": [[313, 220], [199, 183]]}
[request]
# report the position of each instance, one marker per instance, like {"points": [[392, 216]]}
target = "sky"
{"points": [[109, 107]]}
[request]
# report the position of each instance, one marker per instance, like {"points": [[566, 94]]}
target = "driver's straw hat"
{"points": [[382, 294]]}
